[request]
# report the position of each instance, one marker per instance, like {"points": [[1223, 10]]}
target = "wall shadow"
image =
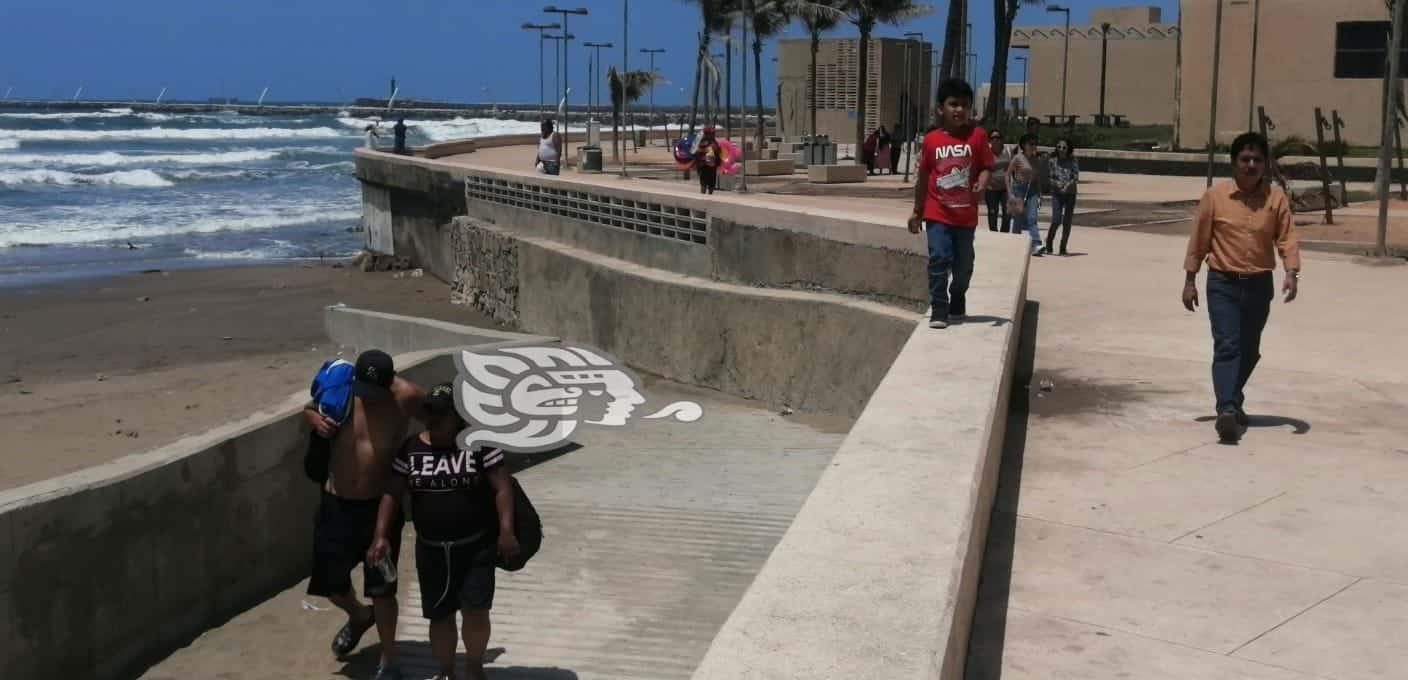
{"points": [[415, 654], [989, 633]]}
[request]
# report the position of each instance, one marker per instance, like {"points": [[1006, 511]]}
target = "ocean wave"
{"points": [[160, 133], [115, 159], [455, 128], [127, 178], [9, 143], [69, 115], [87, 229]]}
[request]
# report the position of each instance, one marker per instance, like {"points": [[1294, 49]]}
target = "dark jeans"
{"points": [[1062, 207], [950, 252], [996, 200], [1238, 305]]}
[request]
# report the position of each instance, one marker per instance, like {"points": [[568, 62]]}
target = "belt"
{"points": [[1241, 276]]}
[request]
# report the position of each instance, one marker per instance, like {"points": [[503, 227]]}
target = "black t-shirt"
{"points": [[451, 497]]}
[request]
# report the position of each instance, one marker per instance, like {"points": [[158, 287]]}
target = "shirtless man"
{"points": [[358, 472]]}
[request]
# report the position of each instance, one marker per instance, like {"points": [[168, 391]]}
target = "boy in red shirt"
{"points": [[954, 165]]}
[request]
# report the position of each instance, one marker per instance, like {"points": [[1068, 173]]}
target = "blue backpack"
{"points": [[332, 389], [332, 395]]}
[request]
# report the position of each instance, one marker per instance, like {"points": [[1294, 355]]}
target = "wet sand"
{"points": [[96, 369]]}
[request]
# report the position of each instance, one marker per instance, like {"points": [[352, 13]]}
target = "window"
{"points": [[1361, 49]]}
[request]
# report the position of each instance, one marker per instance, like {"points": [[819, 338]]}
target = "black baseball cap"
{"points": [[374, 375], [440, 400]]}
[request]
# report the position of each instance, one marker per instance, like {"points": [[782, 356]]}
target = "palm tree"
{"points": [[625, 88], [714, 16], [950, 64], [818, 17], [866, 14], [768, 18], [1005, 12]]}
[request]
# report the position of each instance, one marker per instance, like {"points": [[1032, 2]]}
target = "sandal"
{"points": [[351, 634]]}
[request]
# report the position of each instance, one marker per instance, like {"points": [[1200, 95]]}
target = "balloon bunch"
{"points": [[728, 157]]}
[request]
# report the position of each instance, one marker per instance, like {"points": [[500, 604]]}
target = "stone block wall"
{"points": [[486, 270]]}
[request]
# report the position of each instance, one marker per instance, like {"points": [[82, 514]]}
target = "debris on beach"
{"points": [[1047, 386], [417, 273], [228, 338], [153, 271], [13, 379], [144, 299], [787, 410], [25, 392], [102, 377]]}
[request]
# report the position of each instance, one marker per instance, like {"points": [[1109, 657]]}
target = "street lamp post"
{"points": [[909, 103], [1104, 51], [596, 79], [528, 26], [1216, 70], [1066, 54], [650, 126], [566, 74], [560, 42]]}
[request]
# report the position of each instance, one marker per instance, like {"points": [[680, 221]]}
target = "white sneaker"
{"points": [[1037, 251], [938, 323]]}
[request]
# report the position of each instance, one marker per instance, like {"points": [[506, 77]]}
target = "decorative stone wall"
{"points": [[486, 270]]}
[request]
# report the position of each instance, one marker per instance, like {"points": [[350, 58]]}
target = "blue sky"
{"points": [[338, 50]]}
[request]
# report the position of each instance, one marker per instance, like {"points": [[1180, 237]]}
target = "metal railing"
{"points": [[676, 223]]}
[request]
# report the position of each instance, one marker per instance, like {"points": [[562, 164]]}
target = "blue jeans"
{"points": [[1062, 207], [1027, 220], [1238, 306], [950, 252]]}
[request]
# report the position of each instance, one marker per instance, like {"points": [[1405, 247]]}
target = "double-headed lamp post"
{"points": [[540, 28], [566, 77], [1066, 54], [650, 126], [596, 79], [1024, 85]]}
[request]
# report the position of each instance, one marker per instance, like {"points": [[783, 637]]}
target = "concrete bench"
{"points": [[767, 167], [835, 174]]}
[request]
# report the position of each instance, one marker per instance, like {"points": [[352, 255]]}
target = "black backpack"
{"points": [[527, 528]]}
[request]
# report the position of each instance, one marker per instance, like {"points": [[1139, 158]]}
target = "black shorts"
{"points": [[458, 578], [341, 537]]}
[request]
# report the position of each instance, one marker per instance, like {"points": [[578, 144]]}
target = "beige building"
{"points": [[1141, 64], [1014, 104], [1308, 54], [836, 68]]}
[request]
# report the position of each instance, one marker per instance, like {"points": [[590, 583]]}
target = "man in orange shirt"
{"points": [[1241, 226]]}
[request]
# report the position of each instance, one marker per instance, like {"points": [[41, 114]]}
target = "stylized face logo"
{"points": [[531, 398]]}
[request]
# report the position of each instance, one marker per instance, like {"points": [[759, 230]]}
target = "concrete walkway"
{"points": [[652, 535], [1127, 543]]}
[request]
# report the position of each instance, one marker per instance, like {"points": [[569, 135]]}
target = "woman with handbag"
{"points": [[1023, 191]]}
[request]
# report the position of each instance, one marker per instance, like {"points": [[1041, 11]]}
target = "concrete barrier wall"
{"points": [[109, 569], [877, 577], [801, 349], [358, 330]]}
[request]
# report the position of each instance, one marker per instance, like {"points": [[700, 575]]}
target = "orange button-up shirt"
{"points": [[1241, 232]]}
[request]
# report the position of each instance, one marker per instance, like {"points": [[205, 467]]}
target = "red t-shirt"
{"points": [[953, 163]]}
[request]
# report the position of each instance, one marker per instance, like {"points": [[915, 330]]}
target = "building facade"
{"points": [[1307, 54], [887, 90], [1140, 65]]}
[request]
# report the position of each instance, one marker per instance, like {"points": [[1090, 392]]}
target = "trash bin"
{"points": [[590, 158]]}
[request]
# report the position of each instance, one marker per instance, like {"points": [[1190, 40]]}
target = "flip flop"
{"points": [[351, 634]]}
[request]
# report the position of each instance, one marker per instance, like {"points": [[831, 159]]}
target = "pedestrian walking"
{"points": [[1024, 191], [1242, 225], [995, 194], [954, 165], [462, 504], [1064, 172], [400, 131], [707, 158]]}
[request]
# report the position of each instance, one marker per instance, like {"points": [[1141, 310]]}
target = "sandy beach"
{"points": [[97, 369]]}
